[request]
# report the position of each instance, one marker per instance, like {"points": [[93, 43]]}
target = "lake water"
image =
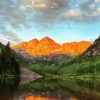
{"points": [[46, 89]]}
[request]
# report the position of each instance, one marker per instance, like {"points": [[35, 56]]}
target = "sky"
{"points": [[61, 20]]}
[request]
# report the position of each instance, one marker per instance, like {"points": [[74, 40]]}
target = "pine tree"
{"points": [[1, 67], [8, 63], [15, 66]]}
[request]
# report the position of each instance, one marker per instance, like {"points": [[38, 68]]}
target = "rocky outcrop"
{"points": [[93, 52], [94, 49]]}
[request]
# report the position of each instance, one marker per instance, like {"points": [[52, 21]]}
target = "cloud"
{"points": [[97, 1], [11, 37], [47, 4], [43, 14], [42, 4], [52, 11], [85, 12], [89, 8], [72, 13]]}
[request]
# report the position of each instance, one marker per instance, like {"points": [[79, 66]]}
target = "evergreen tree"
{"points": [[1, 67], [15, 66], [8, 63]]}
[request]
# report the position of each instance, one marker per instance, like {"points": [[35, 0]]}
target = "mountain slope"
{"points": [[93, 50], [87, 63], [27, 45], [31, 46], [47, 46], [75, 48]]}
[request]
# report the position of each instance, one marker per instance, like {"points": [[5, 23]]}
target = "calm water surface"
{"points": [[46, 89]]}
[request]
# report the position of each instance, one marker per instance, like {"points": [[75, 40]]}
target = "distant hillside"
{"points": [[87, 63], [47, 46], [54, 57]]}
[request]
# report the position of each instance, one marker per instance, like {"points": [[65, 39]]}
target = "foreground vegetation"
{"points": [[9, 66]]}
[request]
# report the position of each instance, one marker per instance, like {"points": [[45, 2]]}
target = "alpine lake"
{"points": [[50, 89]]}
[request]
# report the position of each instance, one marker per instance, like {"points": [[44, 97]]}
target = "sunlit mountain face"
{"points": [[47, 46]]}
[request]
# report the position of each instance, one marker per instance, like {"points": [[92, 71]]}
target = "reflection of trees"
{"points": [[8, 84], [83, 90], [7, 87], [89, 84], [42, 85], [86, 84]]}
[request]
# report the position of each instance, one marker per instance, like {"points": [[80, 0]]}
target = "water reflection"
{"points": [[7, 87], [41, 98], [47, 89], [37, 98]]}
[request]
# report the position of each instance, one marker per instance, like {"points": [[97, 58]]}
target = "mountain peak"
{"points": [[47, 46], [46, 39], [34, 41]]}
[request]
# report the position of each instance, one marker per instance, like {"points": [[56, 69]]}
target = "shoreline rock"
{"points": [[28, 75]]}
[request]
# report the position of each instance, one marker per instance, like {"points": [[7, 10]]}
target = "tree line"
{"points": [[8, 62]]}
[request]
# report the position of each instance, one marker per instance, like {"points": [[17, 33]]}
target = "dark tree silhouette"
{"points": [[8, 62], [15, 66]]}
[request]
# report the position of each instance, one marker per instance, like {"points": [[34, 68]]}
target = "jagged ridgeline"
{"points": [[9, 66]]}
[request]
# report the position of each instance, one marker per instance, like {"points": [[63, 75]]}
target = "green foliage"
{"points": [[82, 65], [45, 67], [79, 66], [8, 63]]}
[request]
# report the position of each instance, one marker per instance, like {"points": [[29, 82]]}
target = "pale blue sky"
{"points": [[62, 20]]}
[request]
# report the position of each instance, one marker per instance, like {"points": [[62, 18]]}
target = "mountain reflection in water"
{"points": [[48, 89], [41, 98]]}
